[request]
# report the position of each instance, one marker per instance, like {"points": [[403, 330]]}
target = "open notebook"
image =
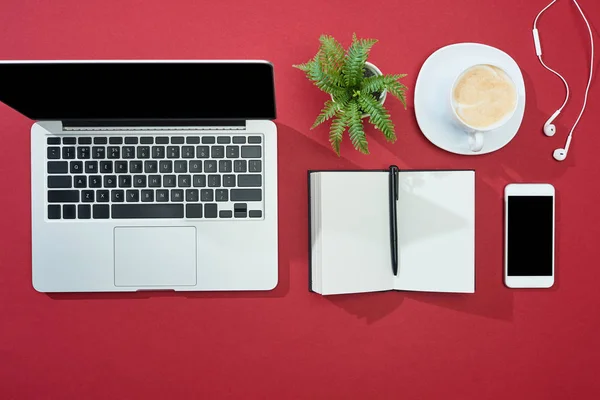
{"points": [[350, 231]]}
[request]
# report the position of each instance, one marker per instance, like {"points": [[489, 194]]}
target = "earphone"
{"points": [[549, 127]]}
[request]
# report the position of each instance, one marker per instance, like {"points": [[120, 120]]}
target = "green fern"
{"points": [[341, 73]]}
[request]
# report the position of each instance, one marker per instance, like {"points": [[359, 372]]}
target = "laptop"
{"points": [[150, 175]]}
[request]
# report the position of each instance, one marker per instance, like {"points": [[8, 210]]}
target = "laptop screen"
{"points": [[101, 90]]}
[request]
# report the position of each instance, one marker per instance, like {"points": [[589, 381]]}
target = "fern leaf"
{"points": [[356, 129], [330, 109], [338, 126], [373, 84], [395, 88], [332, 53], [322, 80], [354, 63], [378, 116], [303, 67]]}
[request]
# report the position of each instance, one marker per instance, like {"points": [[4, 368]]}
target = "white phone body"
{"points": [[532, 262]]}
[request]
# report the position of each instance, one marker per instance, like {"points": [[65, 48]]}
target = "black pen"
{"points": [[393, 217]]}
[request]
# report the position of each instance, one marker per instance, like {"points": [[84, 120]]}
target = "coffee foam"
{"points": [[483, 96]]}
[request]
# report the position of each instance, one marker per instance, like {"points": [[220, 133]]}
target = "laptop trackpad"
{"points": [[158, 256]]}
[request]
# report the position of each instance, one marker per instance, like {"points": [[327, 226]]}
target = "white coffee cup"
{"points": [[494, 104]]}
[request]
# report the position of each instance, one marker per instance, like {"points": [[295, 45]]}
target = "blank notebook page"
{"points": [[436, 229]]}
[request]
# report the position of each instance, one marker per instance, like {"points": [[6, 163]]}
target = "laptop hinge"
{"points": [[152, 124]]}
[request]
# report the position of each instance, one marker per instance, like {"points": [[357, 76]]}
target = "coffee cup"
{"points": [[483, 98]]}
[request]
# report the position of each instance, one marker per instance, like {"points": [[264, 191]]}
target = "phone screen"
{"points": [[530, 235]]}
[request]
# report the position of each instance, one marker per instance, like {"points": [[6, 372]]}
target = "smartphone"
{"points": [[529, 235]]}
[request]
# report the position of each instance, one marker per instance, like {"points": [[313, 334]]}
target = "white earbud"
{"points": [[549, 127], [560, 154]]}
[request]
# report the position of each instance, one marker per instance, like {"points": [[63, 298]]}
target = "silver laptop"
{"points": [[150, 175]]}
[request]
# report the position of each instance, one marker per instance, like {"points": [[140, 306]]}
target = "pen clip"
{"points": [[394, 170]]}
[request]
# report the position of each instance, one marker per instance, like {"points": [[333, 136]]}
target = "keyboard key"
{"points": [[68, 153], [223, 139], [76, 167], [121, 211], [53, 153], [131, 140], [184, 181], [196, 166], [121, 167], [249, 180], [172, 151], [100, 140], [206, 195], [84, 211], [154, 181], [133, 196], [192, 140], [221, 195], [239, 139], [116, 196], [143, 152], [115, 140], [162, 140], [199, 180], [251, 151], [106, 167], [87, 196], [239, 166], [214, 180], [124, 181], [98, 153], [245, 195], [191, 195], [61, 182], [101, 211], [254, 139], [114, 152], [232, 151], [255, 214], [54, 209], [80, 181], [110, 181], [228, 180], [192, 211], [169, 181], [177, 140], [128, 152], [69, 211], [63, 196], [217, 152], [240, 210], [135, 167], [255, 166], [225, 214], [208, 139], [83, 152], [147, 196], [139, 181], [53, 140], [210, 211], [91, 167], [69, 140], [202, 151], [85, 140], [146, 140], [95, 181], [176, 195], [210, 166], [102, 196], [162, 195], [166, 167], [158, 151], [181, 167], [150, 167], [57, 167], [187, 152], [224, 165]]}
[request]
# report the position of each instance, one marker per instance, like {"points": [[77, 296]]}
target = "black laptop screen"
{"points": [[139, 90]]}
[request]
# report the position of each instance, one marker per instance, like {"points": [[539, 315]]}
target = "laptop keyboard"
{"points": [[137, 177]]}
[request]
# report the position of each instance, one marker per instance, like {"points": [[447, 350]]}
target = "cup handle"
{"points": [[475, 141]]}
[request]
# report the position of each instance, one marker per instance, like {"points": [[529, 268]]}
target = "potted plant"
{"points": [[357, 88]]}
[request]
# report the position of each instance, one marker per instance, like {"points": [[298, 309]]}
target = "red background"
{"points": [[287, 343]]}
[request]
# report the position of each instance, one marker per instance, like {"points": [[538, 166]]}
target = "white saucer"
{"points": [[432, 92]]}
